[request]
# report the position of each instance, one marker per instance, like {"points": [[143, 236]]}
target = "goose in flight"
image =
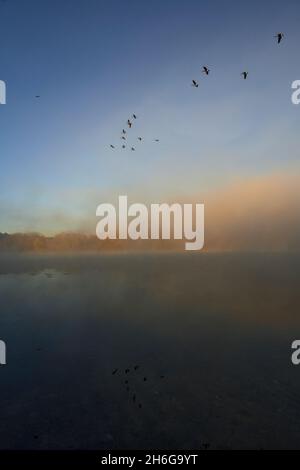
{"points": [[134, 116], [279, 37], [244, 75], [112, 146], [194, 84], [205, 70], [129, 123]]}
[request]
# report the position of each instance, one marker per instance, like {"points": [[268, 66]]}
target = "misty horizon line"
{"points": [[84, 242]]}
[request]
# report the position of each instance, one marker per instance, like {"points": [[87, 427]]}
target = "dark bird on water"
{"points": [[145, 378], [195, 84], [162, 376], [140, 139], [114, 371], [206, 70], [133, 398], [244, 75], [133, 149], [37, 96], [136, 367], [126, 371], [123, 146], [156, 140], [279, 37], [140, 406]]}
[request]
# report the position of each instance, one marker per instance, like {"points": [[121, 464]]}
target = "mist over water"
{"points": [[218, 327]]}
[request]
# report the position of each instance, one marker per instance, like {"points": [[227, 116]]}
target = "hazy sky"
{"points": [[94, 63]]}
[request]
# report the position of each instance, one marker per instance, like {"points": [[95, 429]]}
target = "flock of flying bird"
{"points": [[206, 71], [124, 135], [278, 36]]}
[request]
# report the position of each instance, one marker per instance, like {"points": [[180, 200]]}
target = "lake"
{"points": [[206, 338]]}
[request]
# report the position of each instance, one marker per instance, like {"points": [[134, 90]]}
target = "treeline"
{"points": [[35, 242]]}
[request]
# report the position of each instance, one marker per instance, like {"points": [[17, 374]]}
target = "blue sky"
{"points": [[94, 63]]}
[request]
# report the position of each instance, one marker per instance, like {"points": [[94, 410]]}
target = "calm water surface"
{"points": [[211, 335]]}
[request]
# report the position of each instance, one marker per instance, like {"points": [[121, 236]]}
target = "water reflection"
{"points": [[217, 327]]}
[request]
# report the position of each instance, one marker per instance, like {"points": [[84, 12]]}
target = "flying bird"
{"points": [[244, 75], [279, 37], [123, 146], [205, 70], [134, 116], [112, 146], [123, 131], [156, 140], [114, 371], [140, 139], [133, 149], [124, 138], [195, 84], [129, 123]]}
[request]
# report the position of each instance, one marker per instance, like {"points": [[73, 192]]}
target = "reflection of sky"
{"points": [[96, 62]]}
